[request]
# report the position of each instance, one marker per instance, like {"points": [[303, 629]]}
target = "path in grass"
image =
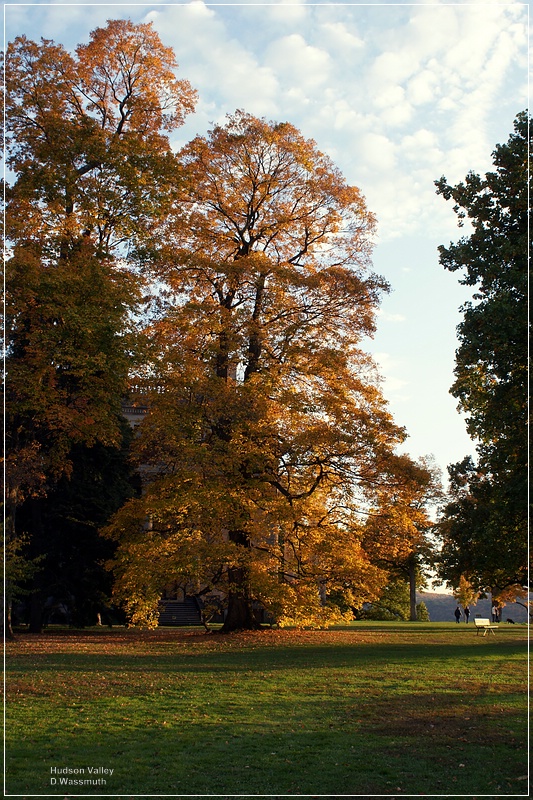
{"points": [[369, 709]]}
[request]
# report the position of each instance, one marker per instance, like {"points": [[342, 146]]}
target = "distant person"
{"points": [[467, 613], [494, 613], [457, 613]]}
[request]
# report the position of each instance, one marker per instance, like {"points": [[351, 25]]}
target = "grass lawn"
{"points": [[368, 709]]}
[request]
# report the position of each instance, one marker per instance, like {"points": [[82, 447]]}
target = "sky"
{"points": [[397, 94]]}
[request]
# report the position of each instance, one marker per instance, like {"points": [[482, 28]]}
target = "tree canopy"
{"points": [[268, 440], [85, 142], [87, 147], [484, 527], [231, 283]]}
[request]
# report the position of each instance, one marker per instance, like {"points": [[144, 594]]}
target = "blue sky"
{"points": [[397, 94]]}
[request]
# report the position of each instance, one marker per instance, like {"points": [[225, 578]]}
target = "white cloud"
{"points": [[393, 95], [298, 62], [341, 114], [431, 29], [386, 316], [67, 26], [339, 40], [285, 12], [421, 150], [377, 151], [392, 385], [397, 115], [227, 74], [392, 68], [199, 7], [423, 87]]}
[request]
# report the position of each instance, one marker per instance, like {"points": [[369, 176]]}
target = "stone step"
{"points": [[176, 613]]}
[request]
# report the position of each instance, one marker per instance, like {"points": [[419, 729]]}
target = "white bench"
{"points": [[484, 625]]}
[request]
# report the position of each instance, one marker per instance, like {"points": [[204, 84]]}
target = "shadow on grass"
{"points": [[343, 750], [286, 658], [336, 719]]}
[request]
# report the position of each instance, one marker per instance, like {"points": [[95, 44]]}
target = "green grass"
{"points": [[370, 709]]}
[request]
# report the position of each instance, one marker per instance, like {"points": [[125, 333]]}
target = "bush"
{"points": [[422, 614]]}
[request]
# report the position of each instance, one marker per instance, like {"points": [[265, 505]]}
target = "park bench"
{"points": [[484, 625]]}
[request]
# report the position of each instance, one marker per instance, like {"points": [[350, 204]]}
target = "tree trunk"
{"points": [[36, 543], [7, 630], [36, 613], [412, 587], [7, 600], [240, 614]]}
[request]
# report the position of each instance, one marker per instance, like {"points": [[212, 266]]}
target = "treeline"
{"points": [[231, 284]]}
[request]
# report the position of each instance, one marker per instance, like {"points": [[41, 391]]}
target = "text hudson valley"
{"points": [[65, 772]]}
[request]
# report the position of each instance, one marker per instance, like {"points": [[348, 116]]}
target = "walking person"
{"points": [[467, 613], [457, 613], [494, 613]]}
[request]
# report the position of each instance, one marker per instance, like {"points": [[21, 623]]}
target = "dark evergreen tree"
{"points": [[484, 527], [64, 527]]}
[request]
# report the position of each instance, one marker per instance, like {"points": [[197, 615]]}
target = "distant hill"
{"points": [[442, 606]]}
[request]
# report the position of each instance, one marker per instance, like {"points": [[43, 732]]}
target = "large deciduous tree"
{"points": [[268, 438], [484, 527], [92, 166]]}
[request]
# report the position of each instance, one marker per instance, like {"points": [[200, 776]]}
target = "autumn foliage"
{"points": [[86, 143], [268, 444], [232, 283]]}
